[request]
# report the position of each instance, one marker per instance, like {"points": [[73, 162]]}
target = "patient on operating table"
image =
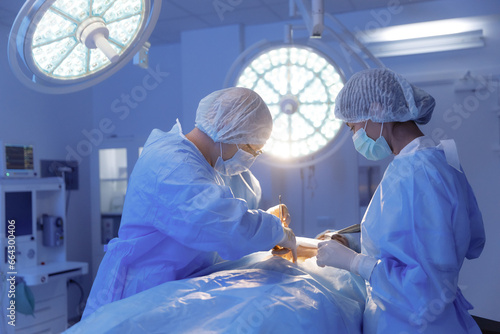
{"points": [[305, 250]]}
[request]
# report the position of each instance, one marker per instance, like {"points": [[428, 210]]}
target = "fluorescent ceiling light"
{"points": [[418, 30], [465, 40], [424, 37]]}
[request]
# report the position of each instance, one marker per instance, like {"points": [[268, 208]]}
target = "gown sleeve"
{"points": [[203, 215]]}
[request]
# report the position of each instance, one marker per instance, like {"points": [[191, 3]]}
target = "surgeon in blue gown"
{"points": [[179, 217], [423, 219]]}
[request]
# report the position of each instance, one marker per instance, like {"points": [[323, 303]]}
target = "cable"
{"points": [[63, 170], [246, 184], [303, 200], [72, 281], [67, 201]]}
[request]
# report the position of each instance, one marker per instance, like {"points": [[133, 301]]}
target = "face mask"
{"points": [[239, 163], [369, 148]]}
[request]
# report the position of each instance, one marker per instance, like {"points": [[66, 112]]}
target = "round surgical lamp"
{"points": [[299, 84], [62, 46]]}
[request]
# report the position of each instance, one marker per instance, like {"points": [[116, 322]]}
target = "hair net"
{"points": [[235, 115], [381, 95]]}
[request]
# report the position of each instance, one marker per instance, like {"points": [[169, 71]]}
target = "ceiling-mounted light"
{"points": [[424, 37], [300, 86], [60, 46], [313, 18]]}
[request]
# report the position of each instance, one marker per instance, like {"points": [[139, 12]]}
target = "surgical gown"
{"points": [[178, 218], [422, 222], [245, 186]]}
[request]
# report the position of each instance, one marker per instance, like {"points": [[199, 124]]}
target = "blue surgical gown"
{"points": [[178, 218], [245, 186], [422, 222]]}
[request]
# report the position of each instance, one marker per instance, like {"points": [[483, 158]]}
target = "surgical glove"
{"points": [[333, 254], [281, 211], [341, 238], [289, 242]]}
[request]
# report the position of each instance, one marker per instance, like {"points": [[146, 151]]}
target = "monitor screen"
{"points": [[17, 161], [19, 157]]}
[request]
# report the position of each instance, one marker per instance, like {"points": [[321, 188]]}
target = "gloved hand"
{"points": [[289, 242], [342, 239], [332, 253], [285, 214]]}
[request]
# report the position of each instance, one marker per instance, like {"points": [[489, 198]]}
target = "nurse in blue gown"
{"points": [[179, 217], [423, 219]]}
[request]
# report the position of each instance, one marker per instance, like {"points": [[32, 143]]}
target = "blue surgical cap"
{"points": [[235, 115], [381, 95]]}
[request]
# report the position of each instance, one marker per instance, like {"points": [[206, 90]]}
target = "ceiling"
{"points": [[181, 15]]}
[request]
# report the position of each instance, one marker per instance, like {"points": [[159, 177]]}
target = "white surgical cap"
{"points": [[235, 115], [381, 95]]}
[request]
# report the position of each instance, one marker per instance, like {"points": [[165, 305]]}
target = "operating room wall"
{"points": [[134, 101], [52, 123]]}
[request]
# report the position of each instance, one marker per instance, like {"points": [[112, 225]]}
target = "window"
{"points": [[113, 176]]}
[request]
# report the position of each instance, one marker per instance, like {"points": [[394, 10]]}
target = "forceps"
{"points": [[349, 229]]}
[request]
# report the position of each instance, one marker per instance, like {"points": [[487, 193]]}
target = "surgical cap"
{"points": [[381, 95], [235, 115]]}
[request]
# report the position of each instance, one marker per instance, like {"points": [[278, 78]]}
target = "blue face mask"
{"points": [[239, 163], [369, 148]]}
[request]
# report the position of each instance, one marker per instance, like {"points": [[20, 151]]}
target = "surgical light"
{"points": [[61, 46], [300, 86]]}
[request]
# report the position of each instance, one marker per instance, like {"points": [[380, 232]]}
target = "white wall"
{"points": [[134, 101], [52, 123]]}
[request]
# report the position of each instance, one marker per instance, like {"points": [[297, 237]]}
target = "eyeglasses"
{"points": [[252, 151], [350, 126]]}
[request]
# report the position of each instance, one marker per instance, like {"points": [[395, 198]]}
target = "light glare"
{"points": [[76, 9], [313, 82], [54, 46], [418, 30]]}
